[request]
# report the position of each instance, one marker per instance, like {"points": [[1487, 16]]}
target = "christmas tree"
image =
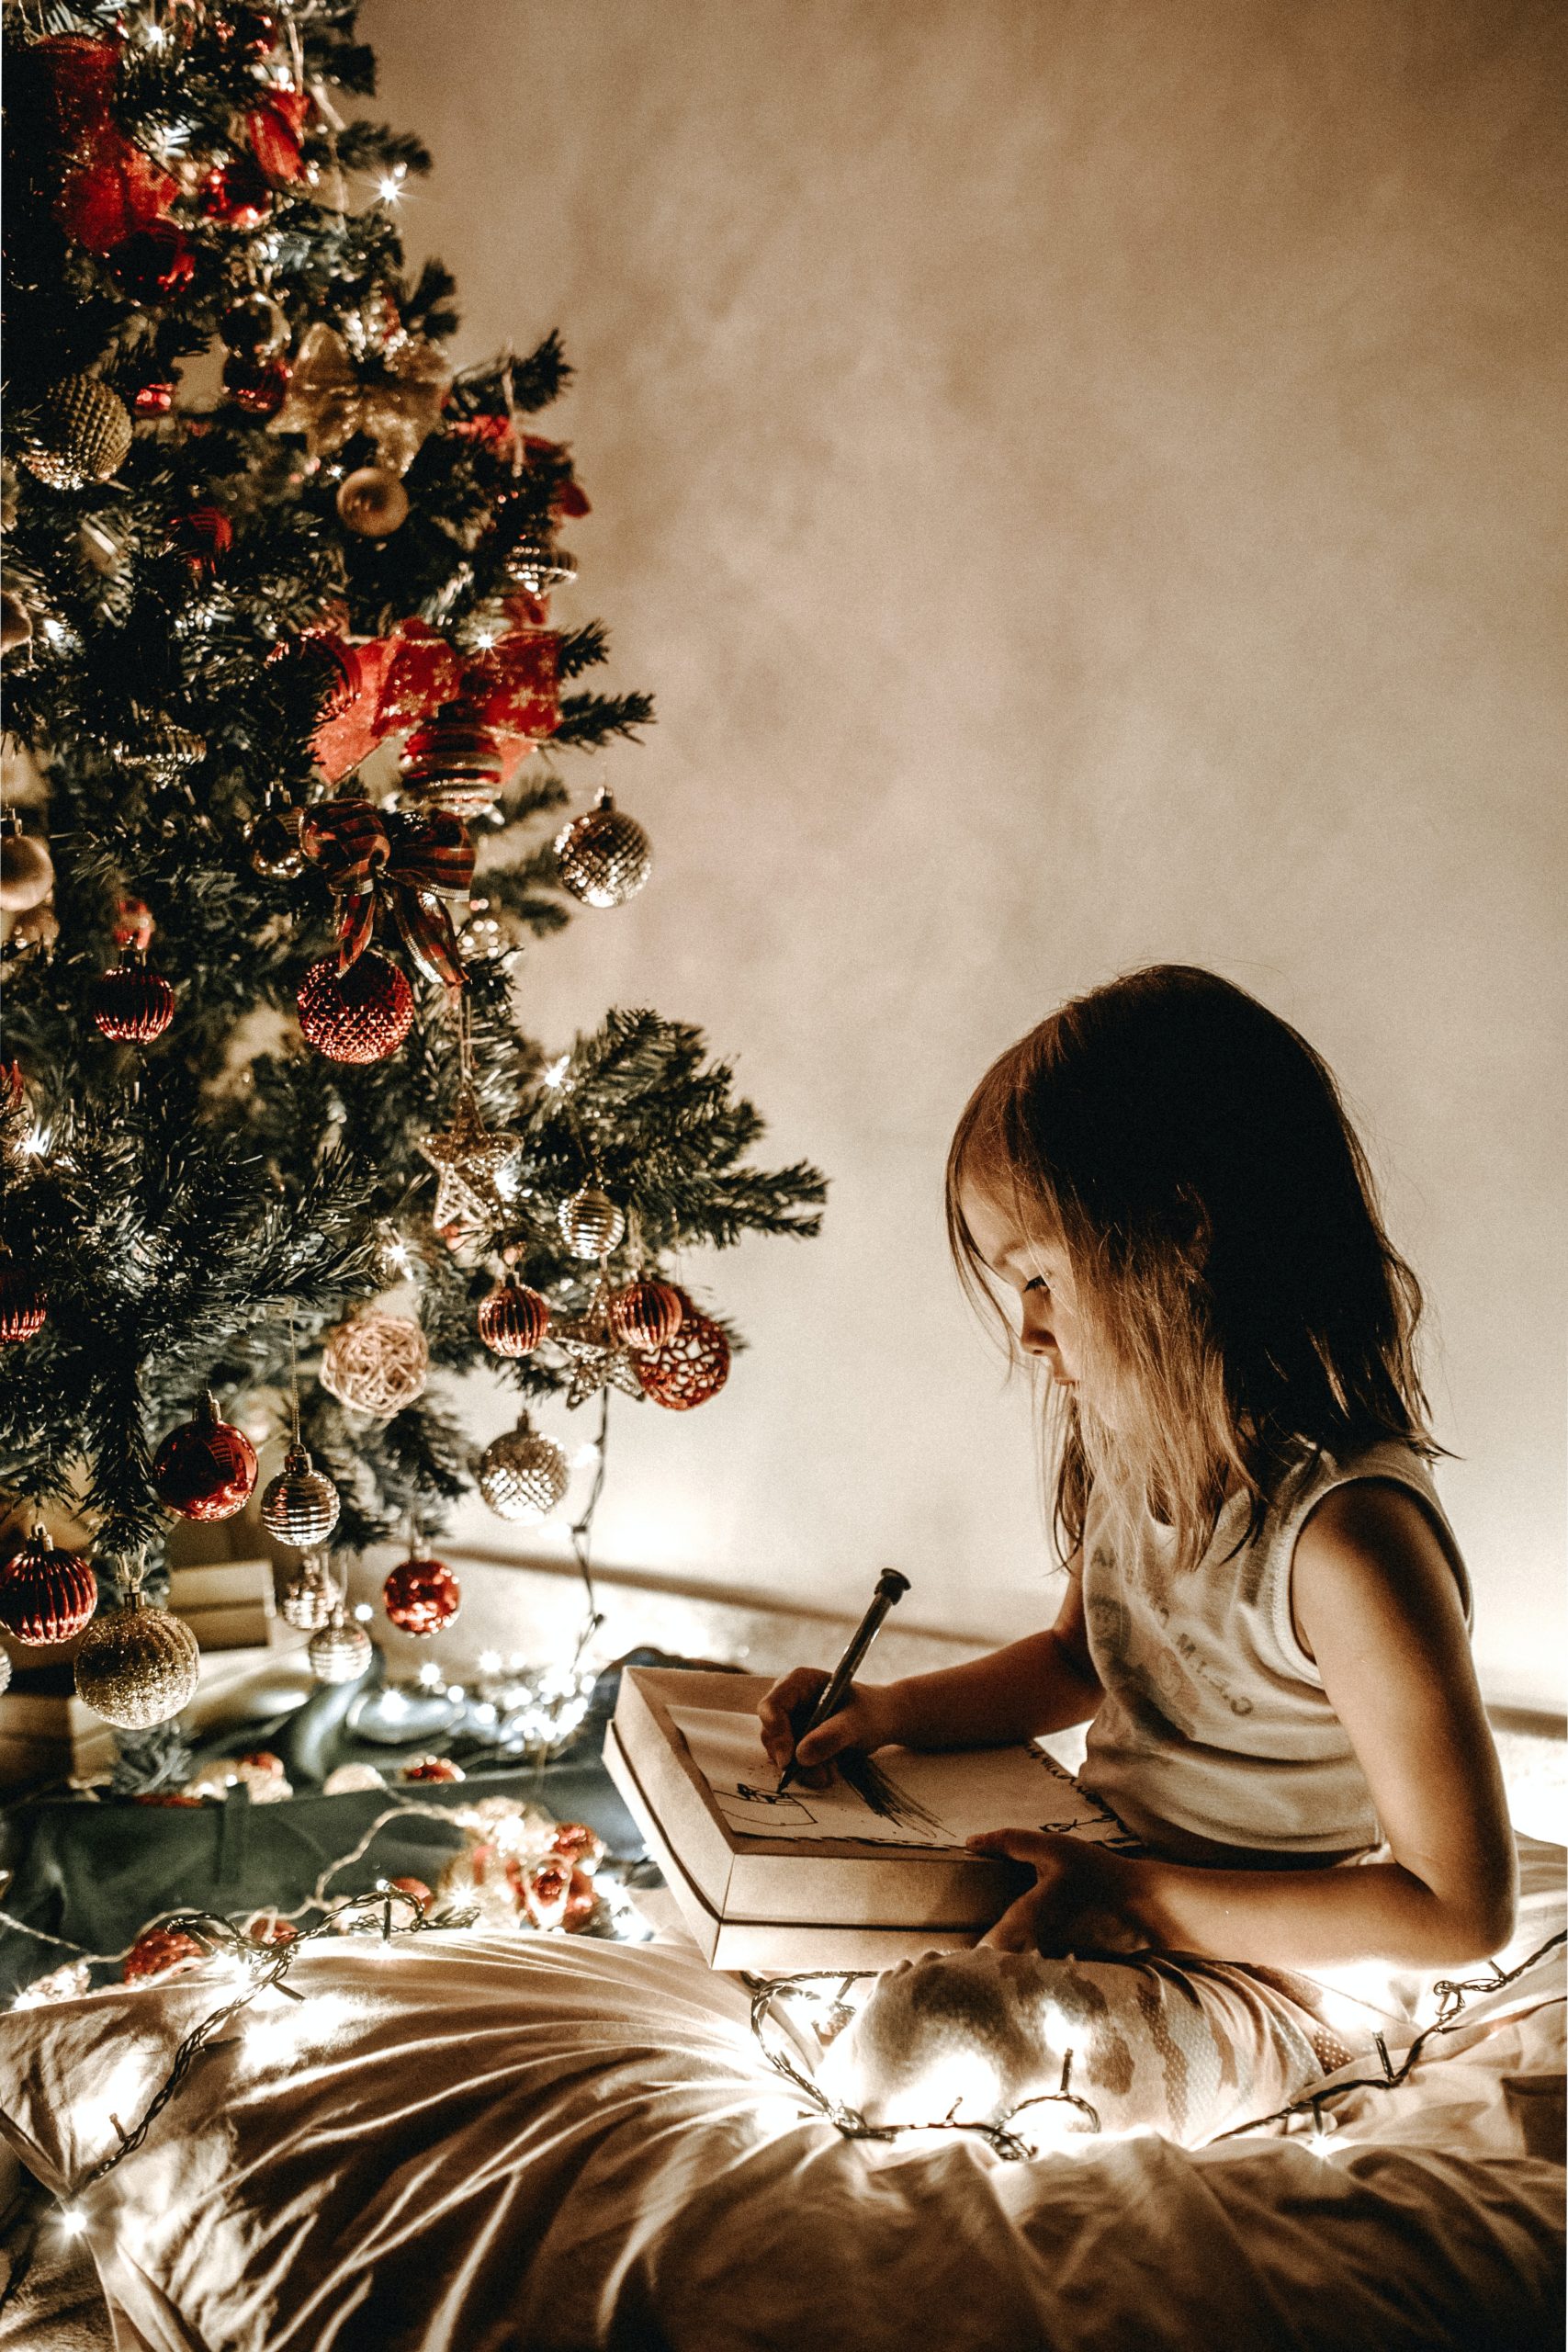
{"points": [[278, 637]]}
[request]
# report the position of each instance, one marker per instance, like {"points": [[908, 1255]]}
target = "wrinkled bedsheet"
{"points": [[475, 2145]]}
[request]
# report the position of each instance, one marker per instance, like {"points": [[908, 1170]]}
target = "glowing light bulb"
{"points": [[490, 1661], [73, 2220], [389, 187], [362, 1611], [555, 1076]]}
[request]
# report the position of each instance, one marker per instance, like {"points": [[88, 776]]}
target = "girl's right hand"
{"points": [[863, 1723]]}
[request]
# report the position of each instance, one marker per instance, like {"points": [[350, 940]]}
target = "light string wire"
{"points": [[997, 2131]]}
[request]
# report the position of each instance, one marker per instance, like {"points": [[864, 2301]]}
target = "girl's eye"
{"points": [[1036, 1281]]}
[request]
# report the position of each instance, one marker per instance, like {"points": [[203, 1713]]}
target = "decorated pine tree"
{"points": [[304, 755]]}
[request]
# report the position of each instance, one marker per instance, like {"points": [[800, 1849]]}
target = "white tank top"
{"points": [[1214, 1720]]}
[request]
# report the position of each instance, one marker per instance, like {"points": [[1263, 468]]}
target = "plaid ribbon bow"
{"points": [[415, 863]]}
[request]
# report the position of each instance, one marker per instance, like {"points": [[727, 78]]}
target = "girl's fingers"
{"points": [[840, 1731], [1015, 1931], [776, 1706], [1018, 1845]]}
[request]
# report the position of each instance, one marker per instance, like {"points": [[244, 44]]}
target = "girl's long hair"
{"points": [[1241, 1298]]}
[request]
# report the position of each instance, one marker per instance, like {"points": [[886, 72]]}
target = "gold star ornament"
{"points": [[474, 1166], [597, 1358]]}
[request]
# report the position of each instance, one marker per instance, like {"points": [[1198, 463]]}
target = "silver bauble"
{"points": [[136, 1666], [339, 1652], [307, 1598], [522, 1475], [604, 857], [591, 1223], [301, 1506]]}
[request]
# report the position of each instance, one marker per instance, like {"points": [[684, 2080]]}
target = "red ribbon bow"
{"points": [[413, 862]]}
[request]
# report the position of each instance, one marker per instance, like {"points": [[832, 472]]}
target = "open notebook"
{"points": [[865, 1872]]}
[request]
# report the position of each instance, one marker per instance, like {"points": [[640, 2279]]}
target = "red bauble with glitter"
{"points": [[132, 1005], [156, 264], [46, 1595], [691, 1367], [159, 1951], [431, 1768], [24, 1304], [513, 1320], [646, 1314], [206, 1468], [258, 386], [421, 1596], [360, 1015], [202, 536], [236, 193]]}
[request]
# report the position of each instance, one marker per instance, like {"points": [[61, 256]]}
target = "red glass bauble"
{"points": [[201, 536], [24, 1305], [236, 193], [360, 1015], [581, 1903], [154, 400], [646, 1314], [206, 1468], [420, 1596], [267, 1929], [431, 1768], [513, 1320], [258, 386], [46, 1595], [156, 262], [158, 1952], [133, 925], [691, 1367], [132, 1005], [414, 1886]]}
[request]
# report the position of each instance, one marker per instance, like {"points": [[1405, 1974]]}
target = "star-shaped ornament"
{"points": [[472, 1164], [597, 1358]]}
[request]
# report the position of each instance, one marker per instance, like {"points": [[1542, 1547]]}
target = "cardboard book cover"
{"points": [[872, 1870]]}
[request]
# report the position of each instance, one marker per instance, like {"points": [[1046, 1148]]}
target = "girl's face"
{"points": [[1037, 1269]]}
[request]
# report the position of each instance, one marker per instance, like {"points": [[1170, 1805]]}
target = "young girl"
{"points": [[1266, 1625]]}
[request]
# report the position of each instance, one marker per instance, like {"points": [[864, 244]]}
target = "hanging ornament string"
{"points": [[583, 1534]]}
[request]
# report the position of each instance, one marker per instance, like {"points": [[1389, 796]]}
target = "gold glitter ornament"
{"points": [[524, 1475], [340, 1651], [377, 1363], [136, 1666], [604, 857], [82, 437], [590, 1222], [307, 1598], [301, 1505]]}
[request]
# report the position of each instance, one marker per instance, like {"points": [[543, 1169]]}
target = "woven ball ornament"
{"points": [[453, 762], [604, 858], [691, 1367], [377, 1363], [301, 1505], [646, 1314], [205, 1469], [372, 502], [24, 1304], [420, 1596], [513, 1320], [307, 1598], [46, 1595], [26, 870], [136, 1666], [340, 1651], [360, 1015], [524, 1475], [159, 1951], [83, 435], [131, 1005], [591, 1223]]}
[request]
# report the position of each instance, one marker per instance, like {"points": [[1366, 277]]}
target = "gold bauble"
{"points": [[604, 858], [307, 1598], [340, 1651], [522, 1475], [16, 622], [301, 1505], [26, 870], [591, 1223], [372, 501], [83, 435], [377, 1363], [136, 1666]]}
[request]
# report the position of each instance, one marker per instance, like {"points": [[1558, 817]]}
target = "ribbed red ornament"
{"points": [[132, 1005], [46, 1595], [360, 1015], [453, 761], [420, 1596], [260, 387], [206, 1468], [646, 1314], [23, 1303], [201, 535], [689, 1368], [513, 1319], [158, 1952]]}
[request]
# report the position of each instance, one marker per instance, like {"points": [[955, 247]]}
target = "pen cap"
{"points": [[891, 1586]]}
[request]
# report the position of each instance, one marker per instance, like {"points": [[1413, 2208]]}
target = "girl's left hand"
{"points": [[1081, 1900]]}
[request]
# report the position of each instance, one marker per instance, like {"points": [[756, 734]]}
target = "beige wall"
{"points": [[1085, 482]]}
